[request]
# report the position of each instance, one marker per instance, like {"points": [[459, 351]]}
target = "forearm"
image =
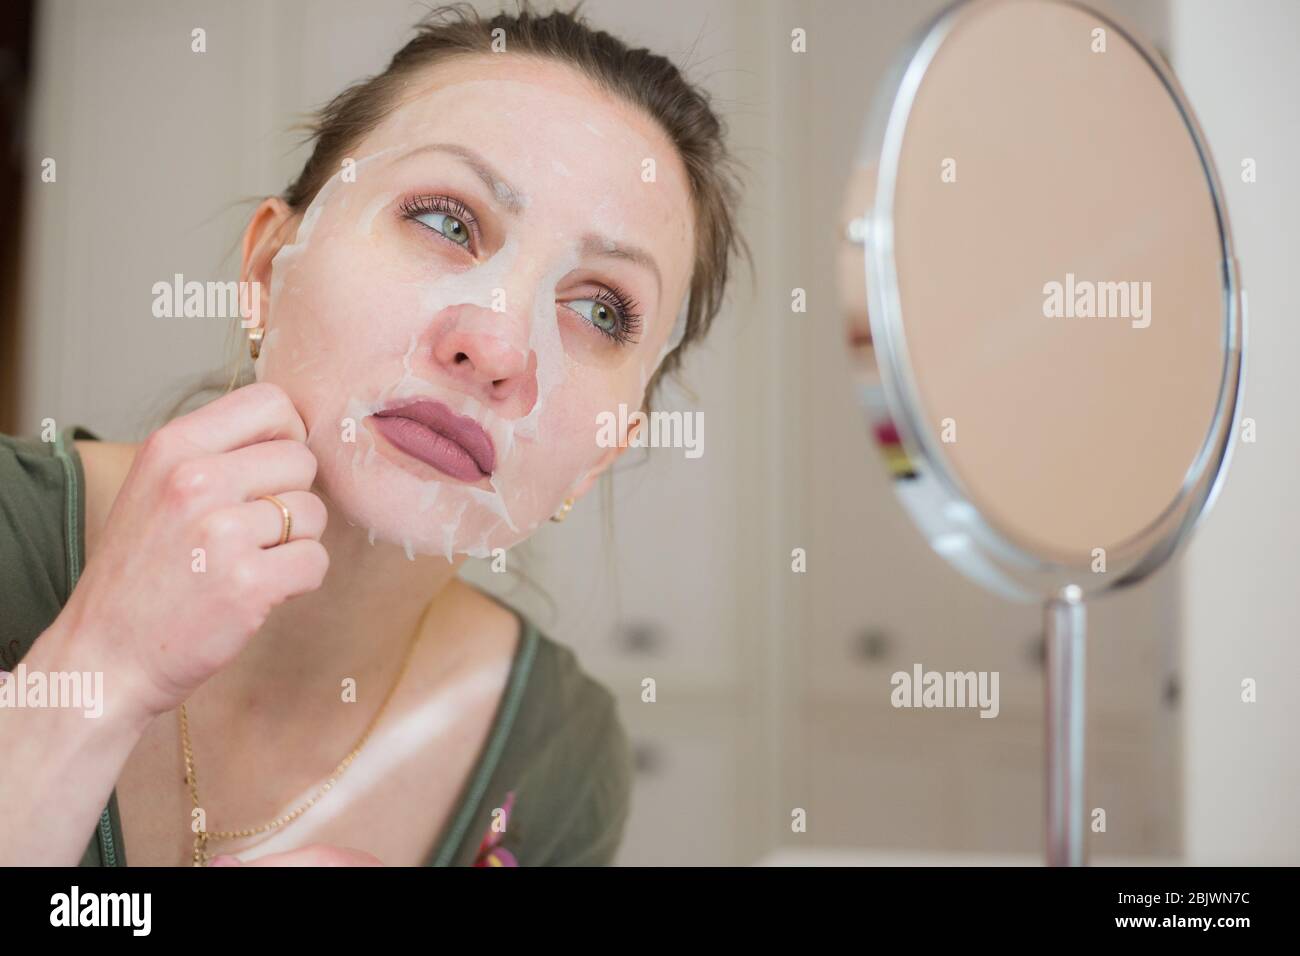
{"points": [[58, 765]]}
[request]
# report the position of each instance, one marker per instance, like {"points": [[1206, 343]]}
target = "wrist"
{"points": [[68, 662], [64, 739]]}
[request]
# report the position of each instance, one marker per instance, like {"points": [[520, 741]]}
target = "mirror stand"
{"points": [[1066, 662]]}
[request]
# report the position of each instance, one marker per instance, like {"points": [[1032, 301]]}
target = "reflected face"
{"points": [[501, 261]]}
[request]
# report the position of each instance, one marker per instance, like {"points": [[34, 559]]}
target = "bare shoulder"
{"points": [[105, 465], [467, 633], [492, 621]]}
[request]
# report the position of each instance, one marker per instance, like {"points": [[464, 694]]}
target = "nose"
{"points": [[486, 353]]}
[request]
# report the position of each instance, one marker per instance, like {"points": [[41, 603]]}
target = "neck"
{"points": [[358, 624]]}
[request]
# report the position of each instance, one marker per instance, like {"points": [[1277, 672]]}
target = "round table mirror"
{"points": [[1045, 318]]}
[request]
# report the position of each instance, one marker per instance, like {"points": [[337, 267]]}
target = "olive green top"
{"points": [[557, 758]]}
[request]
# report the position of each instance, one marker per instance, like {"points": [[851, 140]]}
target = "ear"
{"points": [[610, 456], [263, 238]]}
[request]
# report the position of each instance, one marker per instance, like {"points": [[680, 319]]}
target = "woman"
{"points": [[519, 225]]}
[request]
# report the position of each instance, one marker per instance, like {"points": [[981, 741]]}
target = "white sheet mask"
{"points": [[379, 343]]}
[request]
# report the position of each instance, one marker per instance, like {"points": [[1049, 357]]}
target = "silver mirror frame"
{"points": [[932, 493]]}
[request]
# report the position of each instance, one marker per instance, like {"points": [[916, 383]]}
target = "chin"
{"points": [[442, 518]]}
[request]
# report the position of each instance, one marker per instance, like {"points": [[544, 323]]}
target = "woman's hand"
{"points": [[188, 565], [317, 854]]}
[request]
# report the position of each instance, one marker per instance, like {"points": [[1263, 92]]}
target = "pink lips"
{"points": [[430, 431]]}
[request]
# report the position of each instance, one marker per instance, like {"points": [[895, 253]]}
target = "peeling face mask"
{"points": [[467, 296]]}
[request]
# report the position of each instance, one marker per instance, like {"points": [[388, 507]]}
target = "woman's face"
{"points": [[502, 260]]}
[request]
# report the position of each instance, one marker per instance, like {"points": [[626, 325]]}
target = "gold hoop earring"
{"points": [[255, 341], [564, 511]]}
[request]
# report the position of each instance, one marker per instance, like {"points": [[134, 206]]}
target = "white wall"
{"points": [[1239, 66]]}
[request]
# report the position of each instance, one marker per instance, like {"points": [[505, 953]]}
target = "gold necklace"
{"points": [[203, 836]]}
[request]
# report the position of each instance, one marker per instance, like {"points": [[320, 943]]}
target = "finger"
{"points": [[269, 468], [292, 569], [307, 515], [254, 413]]}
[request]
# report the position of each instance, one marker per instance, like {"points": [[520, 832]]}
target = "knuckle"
{"points": [[248, 612], [187, 482], [252, 616], [157, 446], [264, 390], [295, 457], [322, 558], [219, 528], [244, 579], [309, 462], [273, 395], [316, 510], [311, 564]]}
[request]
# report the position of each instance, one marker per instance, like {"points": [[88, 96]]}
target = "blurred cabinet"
{"points": [[686, 810]]}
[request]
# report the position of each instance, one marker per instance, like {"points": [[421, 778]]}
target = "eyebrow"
{"points": [[509, 197], [593, 244]]}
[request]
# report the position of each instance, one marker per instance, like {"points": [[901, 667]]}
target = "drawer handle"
{"points": [[873, 645], [640, 637], [647, 758], [1036, 651], [1173, 692]]}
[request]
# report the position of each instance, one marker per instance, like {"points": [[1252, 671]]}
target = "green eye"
{"points": [[445, 215], [599, 314], [612, 313], [451, 227]]}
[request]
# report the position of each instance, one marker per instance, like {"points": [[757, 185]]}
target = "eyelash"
{"points": [[417, 206], [629, 322], [629, 317]]}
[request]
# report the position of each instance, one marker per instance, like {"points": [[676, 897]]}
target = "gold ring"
{"points": [[284, 512]]}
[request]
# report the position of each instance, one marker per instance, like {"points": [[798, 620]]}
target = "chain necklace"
{"points": [[203, 836]]}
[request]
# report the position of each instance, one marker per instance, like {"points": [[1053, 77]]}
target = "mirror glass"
{"points": [[1049, 336]]}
